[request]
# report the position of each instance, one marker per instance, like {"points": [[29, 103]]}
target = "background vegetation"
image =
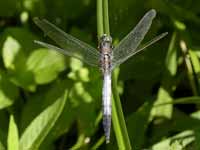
{"points": [[49, 101]]}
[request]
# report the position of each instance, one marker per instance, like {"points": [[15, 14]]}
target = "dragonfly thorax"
{"points": [[105, 47]]}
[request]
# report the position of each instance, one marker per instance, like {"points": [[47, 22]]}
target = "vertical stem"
{"points": [[190, 68], [100, 28], [117, 113], [118, 117], [106, 17]]}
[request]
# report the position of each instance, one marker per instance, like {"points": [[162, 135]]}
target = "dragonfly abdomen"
{"points": [[105, 47], [107, 105]]}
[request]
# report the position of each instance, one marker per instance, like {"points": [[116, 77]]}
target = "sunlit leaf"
{"points": [[17, 45], [165, 110], [184, 138], [195, 61], [11, 49], [171, 58], [13, 137], [45, 65], [42, 124]]}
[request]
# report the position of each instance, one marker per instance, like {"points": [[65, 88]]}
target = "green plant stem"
{"points": [[118, 117], [190, 69], [117, 113], [106, 17], [100, 29]]}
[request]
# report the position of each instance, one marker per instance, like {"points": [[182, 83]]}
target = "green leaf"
{"points": [[23, 37], [17, 45], [185, 138], [179, 122], [171, 58], [11, 48], [40, 101], [13, 138], [61, 127], [195, 61], [8, 91], [45, 65], [38, 129], [164, 110]]}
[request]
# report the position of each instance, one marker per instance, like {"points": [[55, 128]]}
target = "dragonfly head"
{"points": [[105, 44], [105, 38]]}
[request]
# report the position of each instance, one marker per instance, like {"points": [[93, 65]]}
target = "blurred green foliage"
{"points": [[49, 101]]}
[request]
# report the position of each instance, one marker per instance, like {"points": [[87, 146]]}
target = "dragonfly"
{"points": [[106, 57]]}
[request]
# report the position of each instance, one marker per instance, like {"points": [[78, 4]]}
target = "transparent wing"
{"points": [[129, 44], [93, 61], [69, 45], [157, 38]]}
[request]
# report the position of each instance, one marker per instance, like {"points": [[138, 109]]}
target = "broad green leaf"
{"points": [[17, 45], [13, 138], [45, 65], [196, 115], [178, 123], [21, 37], [11, 49], [40, 101], [8, 91], [62, 126], [185, 138], [38, 129], [164, 110], [176, 146]]}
